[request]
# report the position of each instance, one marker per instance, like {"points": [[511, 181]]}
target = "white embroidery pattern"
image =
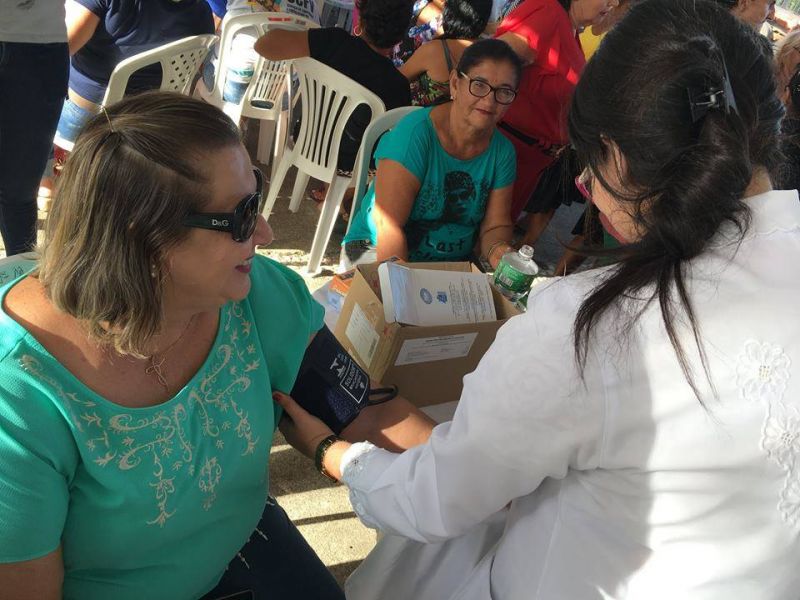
{"points": [[125, 439], [762, 374], [353, 464]]}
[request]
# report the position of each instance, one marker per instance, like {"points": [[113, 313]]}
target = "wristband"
{"points": [[319, 455]]}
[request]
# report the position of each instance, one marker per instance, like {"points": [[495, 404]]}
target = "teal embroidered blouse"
{"points": [[150, 502]]}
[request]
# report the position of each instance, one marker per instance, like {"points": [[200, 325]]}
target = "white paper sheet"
{"points": [[435, 348], [427, 297], [362, 335]]}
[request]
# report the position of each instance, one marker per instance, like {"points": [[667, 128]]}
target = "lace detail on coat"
{"points": [[353, 463], [762, 375]]}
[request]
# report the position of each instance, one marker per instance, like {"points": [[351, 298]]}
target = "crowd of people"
{"points": [[634, 434]]}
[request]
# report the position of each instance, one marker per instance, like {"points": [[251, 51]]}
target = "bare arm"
{"points": [[431, 11], [280, 44], [497, 228], [37, 579], [304, 432], [395, 192], [395, 425], [81, 25], [417, 64], [519, 45]]}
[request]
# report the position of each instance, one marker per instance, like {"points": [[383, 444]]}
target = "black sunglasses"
{"points": [[241, 223], [480, 89]]}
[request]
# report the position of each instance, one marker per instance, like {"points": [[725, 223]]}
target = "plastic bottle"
{"points": [[515, 272], [240, 68]]}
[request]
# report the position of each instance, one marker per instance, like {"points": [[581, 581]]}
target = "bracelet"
{"points": [[493, 247], [319, 455]]}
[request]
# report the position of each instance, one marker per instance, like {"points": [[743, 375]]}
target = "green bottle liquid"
{"points": [[515, 272]]}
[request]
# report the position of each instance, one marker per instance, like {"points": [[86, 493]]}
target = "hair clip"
{"points": [[108, 118], [712, 98]]}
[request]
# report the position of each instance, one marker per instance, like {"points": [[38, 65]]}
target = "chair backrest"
{"points": [[375, 130], [15, 266], [180, 60], [328, 99], [264, 94]]}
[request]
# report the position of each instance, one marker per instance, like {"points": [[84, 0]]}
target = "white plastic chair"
{"points": [[328, 100], [180, 60], [270, 80], [372, 134]]}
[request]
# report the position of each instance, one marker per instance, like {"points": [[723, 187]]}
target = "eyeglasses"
{"points": [[241, 223], [480, 89]]}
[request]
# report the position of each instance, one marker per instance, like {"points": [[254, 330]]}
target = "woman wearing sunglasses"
{"points": [[636, 433], [445, 174], [136, 369]]}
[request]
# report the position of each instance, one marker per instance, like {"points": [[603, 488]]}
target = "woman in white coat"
{"points": [[637, 431]]}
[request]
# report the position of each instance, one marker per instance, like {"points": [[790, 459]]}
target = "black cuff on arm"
{"points": [[332, 386]]}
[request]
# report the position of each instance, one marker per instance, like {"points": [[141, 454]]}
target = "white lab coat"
{"points": [[620, 484]]}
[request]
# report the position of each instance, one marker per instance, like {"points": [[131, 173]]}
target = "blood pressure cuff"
{"points": [[330, 384]]}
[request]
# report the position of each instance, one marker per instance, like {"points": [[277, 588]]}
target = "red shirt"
{"points": [[547, 85]]}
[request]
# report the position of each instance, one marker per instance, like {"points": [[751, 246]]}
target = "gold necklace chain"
{"points": [[155, 366]]}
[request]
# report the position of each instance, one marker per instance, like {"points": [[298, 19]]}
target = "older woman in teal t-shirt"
{"points": [[445, 175], [137, 364]]}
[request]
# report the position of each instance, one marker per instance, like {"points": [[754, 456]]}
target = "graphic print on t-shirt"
{"points": [[444, 221]]}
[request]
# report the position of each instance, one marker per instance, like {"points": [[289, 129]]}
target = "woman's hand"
{"points": [[497, 229], [301, 429]]}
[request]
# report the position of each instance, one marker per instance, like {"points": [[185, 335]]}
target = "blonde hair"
{"points": [[783, 51], [135, 173]]}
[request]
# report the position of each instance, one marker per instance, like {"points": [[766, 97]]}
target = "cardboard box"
{"points": [[426, 363]]}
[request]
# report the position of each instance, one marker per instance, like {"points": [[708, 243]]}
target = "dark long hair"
{"points": [[682, 179], [465, 19]]}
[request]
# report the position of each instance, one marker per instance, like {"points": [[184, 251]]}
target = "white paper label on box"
{"points": [[435, 348], [361, 334]]}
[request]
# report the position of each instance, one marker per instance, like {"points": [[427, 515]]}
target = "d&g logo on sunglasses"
{"points": [[224, 223]]}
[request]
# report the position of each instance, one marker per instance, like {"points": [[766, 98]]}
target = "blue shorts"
{"points": [[71, 121]]}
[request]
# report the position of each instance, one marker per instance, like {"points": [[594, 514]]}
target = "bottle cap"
{"points": [[526, 251]]}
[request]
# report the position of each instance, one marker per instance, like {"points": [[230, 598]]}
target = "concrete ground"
{"points": [[319, 508]]}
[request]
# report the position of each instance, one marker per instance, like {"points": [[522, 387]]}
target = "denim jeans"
{"points": [[72, 120], [276, 562], [33, 84]]}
